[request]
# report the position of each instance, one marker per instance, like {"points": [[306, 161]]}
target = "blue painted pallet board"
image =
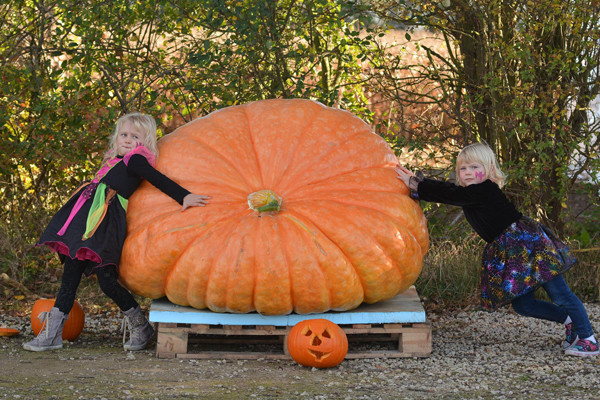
{"points": [[404, 308]]}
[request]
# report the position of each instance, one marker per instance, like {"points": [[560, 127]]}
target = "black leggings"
{"points": [[107, 279]]}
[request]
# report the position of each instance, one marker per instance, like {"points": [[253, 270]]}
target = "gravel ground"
{"points": [[476, 355]]}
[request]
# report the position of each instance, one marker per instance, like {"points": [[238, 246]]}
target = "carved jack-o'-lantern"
{"points": [[317, 343]]}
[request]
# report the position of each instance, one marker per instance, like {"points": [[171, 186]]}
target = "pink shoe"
{"points": [[583, 348]]}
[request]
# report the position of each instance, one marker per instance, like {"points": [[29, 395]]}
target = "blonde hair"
{"points": [[144, 123], [480, 153]]}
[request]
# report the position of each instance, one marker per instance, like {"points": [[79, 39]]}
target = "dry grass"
{"points": [[584, 277], [450, 276]]}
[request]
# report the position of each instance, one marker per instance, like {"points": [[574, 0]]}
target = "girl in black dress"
{"points": [[88, 232]]}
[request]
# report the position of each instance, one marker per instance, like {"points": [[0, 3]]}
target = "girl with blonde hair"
{"points": [[88, 232], [521, 254]]}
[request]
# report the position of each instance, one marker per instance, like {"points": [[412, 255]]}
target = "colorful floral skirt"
{"points": [[524, 256]]}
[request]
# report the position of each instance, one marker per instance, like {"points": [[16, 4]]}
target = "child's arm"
{"points": [[444, 192], [141, 167]]}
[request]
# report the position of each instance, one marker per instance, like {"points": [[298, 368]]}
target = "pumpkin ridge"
{"points": [[267, 287], [245, 229], [165, 217], [334, 243], [314, 175], [289, 271], [227, 236], [295, 218], [219, 123], [363, 233], [228, 162], [165, 209], [189, 283], [351, 202], [332, 177], [254, 152], [168, 214], [193, 187], [416, 245], [296, 146], [184, 250], [299, 183], [288, 251], [322, 195]]}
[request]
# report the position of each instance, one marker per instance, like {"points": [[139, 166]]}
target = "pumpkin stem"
{"points": [[264, 200]]}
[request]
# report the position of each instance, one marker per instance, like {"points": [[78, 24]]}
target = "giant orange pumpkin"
{"points": [[73, 325], [317, 343], [306, 214]]}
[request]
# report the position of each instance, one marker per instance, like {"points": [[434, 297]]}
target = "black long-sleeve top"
{"points": [[125, 179], [485, 206]]}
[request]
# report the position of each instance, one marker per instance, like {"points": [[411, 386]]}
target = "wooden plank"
{"points": [[406, 307], [199, 328], [230, 355], [225, 331], [385, 354], [270, 328], [230, 340], [417, 340], [171, 342]]}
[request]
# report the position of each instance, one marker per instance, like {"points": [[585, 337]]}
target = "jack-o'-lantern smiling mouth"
{"points": [[316, 342], [318, 355]]}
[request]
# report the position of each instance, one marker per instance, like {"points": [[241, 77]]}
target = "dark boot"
{"points": [[141, 330], [50, 337]]}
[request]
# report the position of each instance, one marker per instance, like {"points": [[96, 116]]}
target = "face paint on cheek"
{"points": [[479, 176]]}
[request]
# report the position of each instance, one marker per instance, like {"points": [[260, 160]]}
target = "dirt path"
{"points": [[475, 355]]}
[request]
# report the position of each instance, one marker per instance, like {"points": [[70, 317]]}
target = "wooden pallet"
{"points": [[396, 328]]}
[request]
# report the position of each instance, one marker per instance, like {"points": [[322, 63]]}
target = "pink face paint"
{"points": [[479, 176]]}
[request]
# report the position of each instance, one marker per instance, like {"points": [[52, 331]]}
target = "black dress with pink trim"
{"points": [[92, 224]]}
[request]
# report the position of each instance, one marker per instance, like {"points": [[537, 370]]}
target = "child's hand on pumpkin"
{"points": [[193, 200], [404, 174]]}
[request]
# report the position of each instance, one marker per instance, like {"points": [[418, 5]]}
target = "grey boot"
{"points": [[141, 330], [50, 337]]}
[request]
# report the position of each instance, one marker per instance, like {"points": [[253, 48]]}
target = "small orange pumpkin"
{"points": [[317, 343], [306, 215], [73, 325]]}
